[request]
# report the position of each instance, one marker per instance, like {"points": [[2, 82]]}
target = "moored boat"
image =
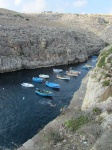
{"points": [[27, 85], [44, 76], [52, 85], [57, 70], [85, 67], [36, 79], [63, 77], [89, 66], [44, 93], [72, 73]]}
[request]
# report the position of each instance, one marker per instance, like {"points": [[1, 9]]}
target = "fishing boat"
{"points": [[75, 71], [72, 73], [44, 93], [44, 76], [52, 85], [57, 70], [63, 77], [27, 85], [36, 79]]}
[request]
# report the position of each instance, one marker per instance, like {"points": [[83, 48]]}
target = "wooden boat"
{"points": [[36, 79], [63, 77], [44, 76], [57, 70], [72, 73], [52, 85], [44, 93], [27, 85]]}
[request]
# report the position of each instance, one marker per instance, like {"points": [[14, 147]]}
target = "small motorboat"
{"points": [[63, 77], [36, 79], [57, 70], [85, 67], [72, 73], [44, 93], [52, 85], [89, 66], [27, 85], [44, 76]]}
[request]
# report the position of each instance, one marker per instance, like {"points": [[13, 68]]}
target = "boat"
{"points": [[44, 76], [52, 85], [94, 56], [85, 67], [94, 60], [57, 70], [63, 77], [89, 66], [75, 71], [72, 73], [44, 93], [36, 79], [27, 85]]}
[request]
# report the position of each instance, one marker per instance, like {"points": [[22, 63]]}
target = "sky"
{"points": [[62, 6]]}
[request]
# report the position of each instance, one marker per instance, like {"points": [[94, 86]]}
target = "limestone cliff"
{"points": [[47, 39]]}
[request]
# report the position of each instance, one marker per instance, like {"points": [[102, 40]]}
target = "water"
{"points": [[22, 112]]}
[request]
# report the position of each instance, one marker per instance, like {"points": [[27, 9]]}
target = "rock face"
{"points": [[47, 39]]}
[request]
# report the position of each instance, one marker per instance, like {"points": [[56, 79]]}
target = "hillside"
{"points": [[48, 39]]}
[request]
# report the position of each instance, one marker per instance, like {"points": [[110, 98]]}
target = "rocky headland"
{"points": [[29, 41]]}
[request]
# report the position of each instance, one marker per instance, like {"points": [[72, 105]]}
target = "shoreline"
{"points": [[76, 102]]}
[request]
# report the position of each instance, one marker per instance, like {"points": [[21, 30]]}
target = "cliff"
{"points": [[48, 39], [87, 123]]}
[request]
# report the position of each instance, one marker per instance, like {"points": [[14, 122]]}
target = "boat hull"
{"points": [[52, 85]]}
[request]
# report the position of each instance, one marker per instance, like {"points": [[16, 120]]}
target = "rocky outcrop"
{"points": [[48, 39]]}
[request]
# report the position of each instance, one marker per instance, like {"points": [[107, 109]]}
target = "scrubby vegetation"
{"points": [[97, 110], [102, 58], [75, 124], [106, 83]]}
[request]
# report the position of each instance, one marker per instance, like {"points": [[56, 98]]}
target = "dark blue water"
{"points": [[22, 112]]}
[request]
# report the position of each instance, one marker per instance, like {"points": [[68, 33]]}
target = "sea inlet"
{"points": [[23, 113]]}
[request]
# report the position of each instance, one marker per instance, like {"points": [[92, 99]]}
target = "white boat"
{"points": [[44, 76], [27, 85], [88, 66], [57, 70], [63, 77]]}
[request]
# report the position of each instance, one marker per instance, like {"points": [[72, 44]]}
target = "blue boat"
{"points": [[36, 79], [52, 85], [85, 67], [94, 56], [43, 93]]}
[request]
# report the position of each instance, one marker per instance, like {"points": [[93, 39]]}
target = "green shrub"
{"points": [[102, 57], [101, 62], [97, 110], [75, 124], [106, 83], [54, 135]]}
